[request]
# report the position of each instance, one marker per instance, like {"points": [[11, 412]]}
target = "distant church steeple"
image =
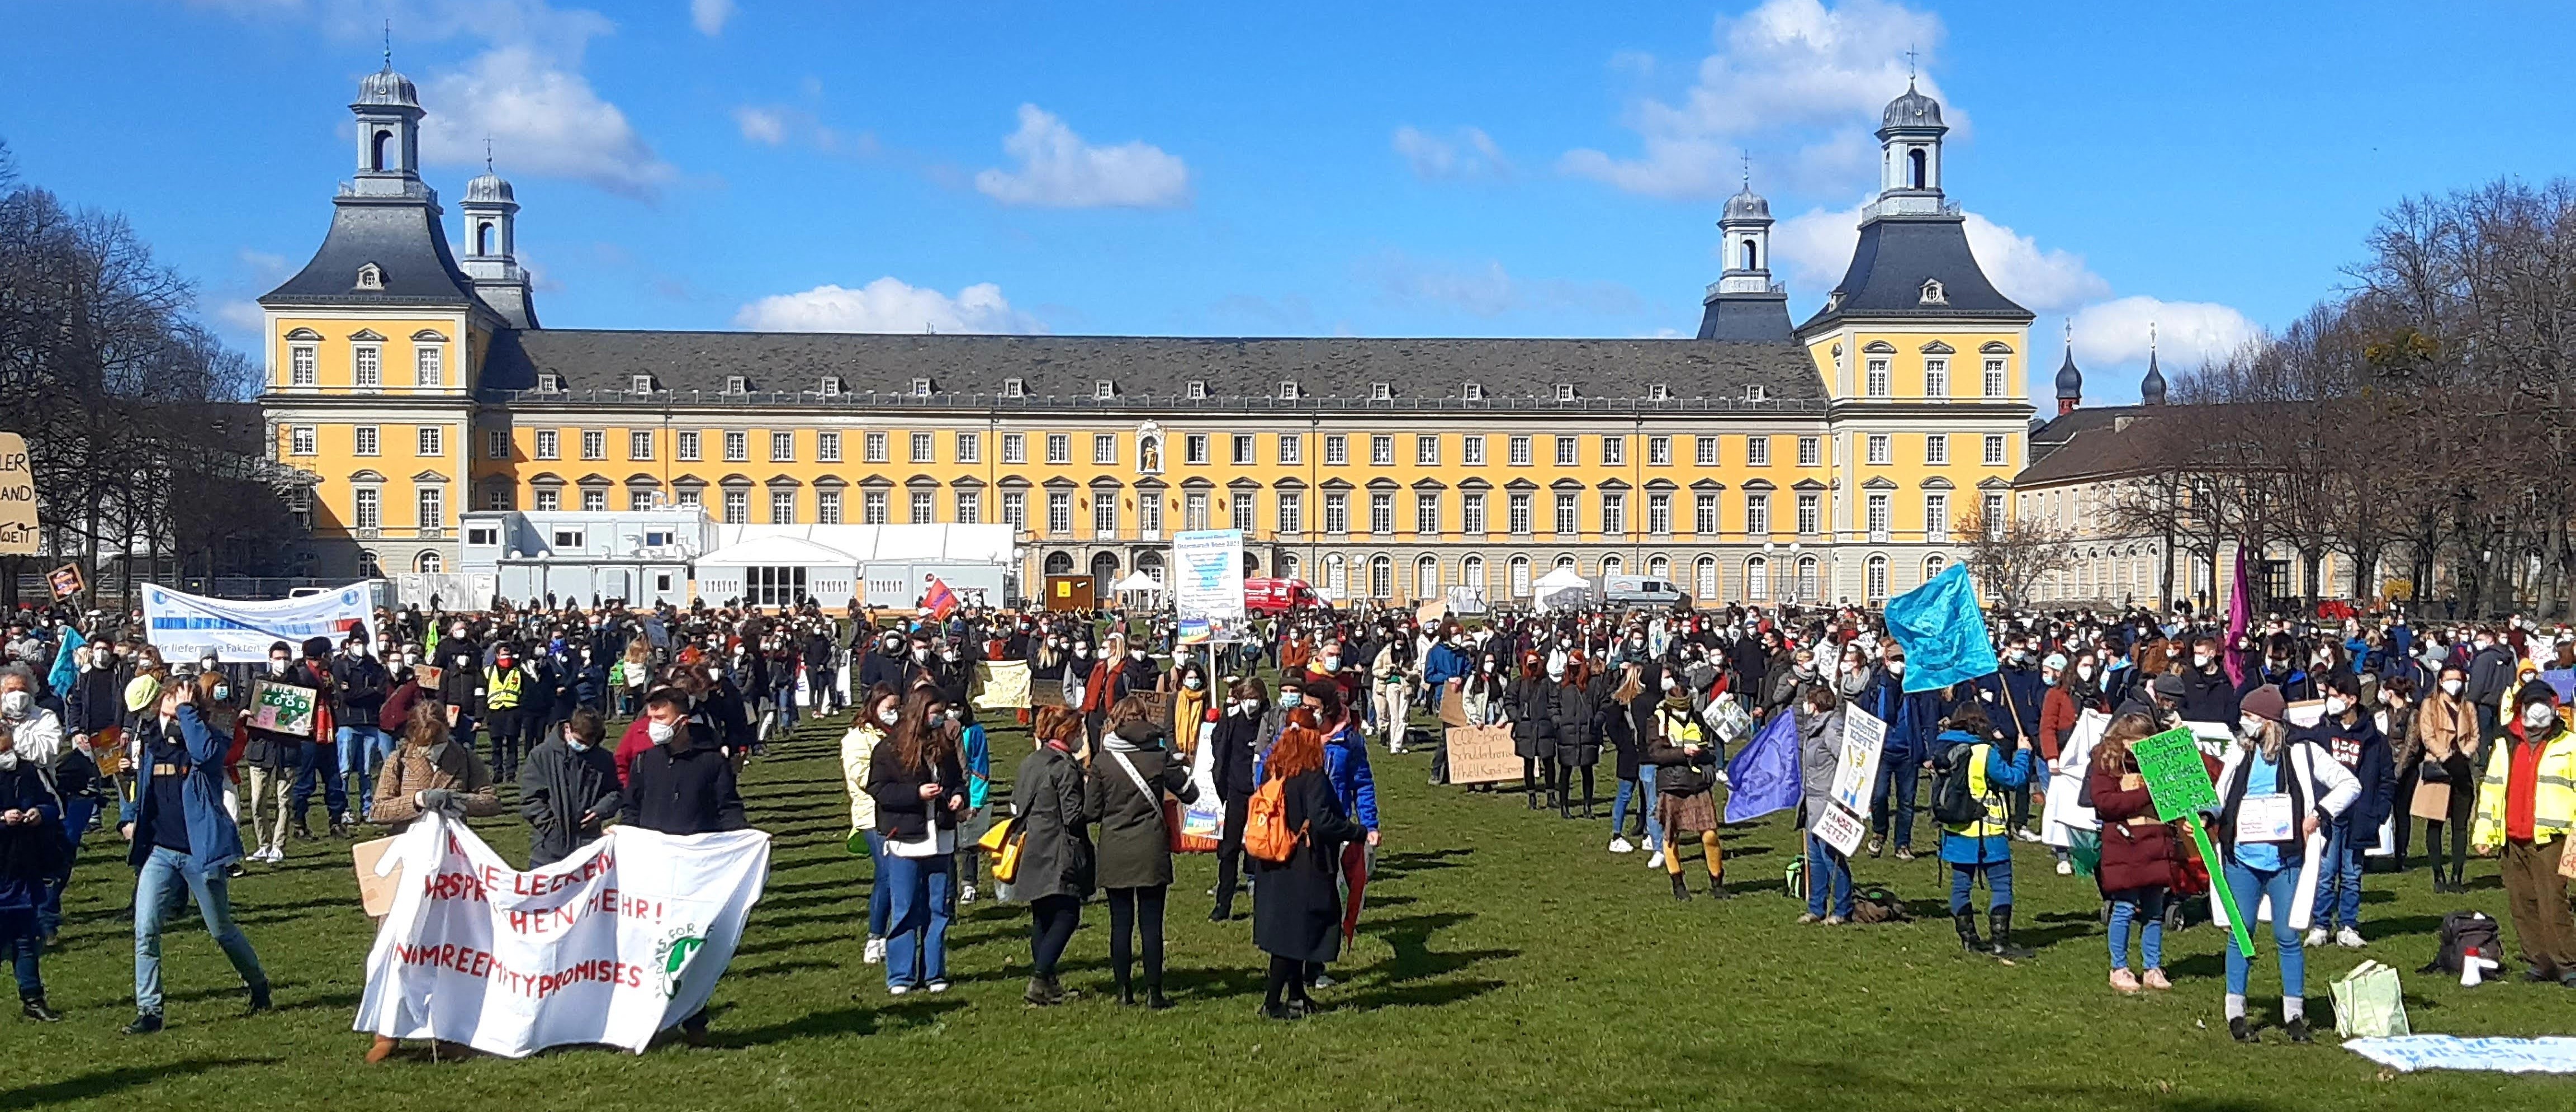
{"points": [[2070, 381], [2151, 390]]}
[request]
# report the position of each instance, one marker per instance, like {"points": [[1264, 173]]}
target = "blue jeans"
{"points": [[1897, 779], [786, 698], [2145, 907], [880, 896], [2249, 886], [156, 895], [363, 750], [319, 761], [49, 908], [2339, 877], [917, 951], [23, 954], [1643, 789], [1963, 879], [1827, 869]]}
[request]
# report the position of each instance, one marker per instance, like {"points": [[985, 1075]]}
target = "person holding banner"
{"points": [[1238, 741], [1820, 753], [567, 788], [429, 771], [1130, 778], [2141, 856], [179, 833], [682, 783], [2276, 798]]}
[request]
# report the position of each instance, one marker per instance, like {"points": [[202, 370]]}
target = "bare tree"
{"points": [[2012, 556]]}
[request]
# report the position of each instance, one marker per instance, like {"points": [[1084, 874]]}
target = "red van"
{"points": [[1278, 596]]}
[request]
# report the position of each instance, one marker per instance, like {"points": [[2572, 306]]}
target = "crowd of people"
{"points": [[2327, 742]]}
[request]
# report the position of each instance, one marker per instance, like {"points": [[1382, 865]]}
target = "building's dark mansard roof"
{"points": [[1748, 318], [1156, 366], [1895, 256], [403, 237]]}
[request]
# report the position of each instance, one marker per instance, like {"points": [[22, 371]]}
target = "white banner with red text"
{"points": [[609, 946]]}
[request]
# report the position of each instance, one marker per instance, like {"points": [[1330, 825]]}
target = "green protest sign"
{"points": [[282, 708], [2179, 782]]}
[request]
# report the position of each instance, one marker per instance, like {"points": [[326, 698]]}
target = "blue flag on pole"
{"points": [[1763, 776], [65, 672], [1943, 631]]}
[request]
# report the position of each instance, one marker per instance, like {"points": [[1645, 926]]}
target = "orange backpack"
{"points": [[1265, 825]]}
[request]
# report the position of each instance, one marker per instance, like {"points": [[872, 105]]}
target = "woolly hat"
{"points": [[2264, 702], [2534, 693], [2169, 686], [141, 692]]}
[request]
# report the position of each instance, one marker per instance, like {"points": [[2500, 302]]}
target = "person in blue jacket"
{"points": [[977, 756], [2013, 696], [1995, 765], [2349, 733], [1346, 761], [180, 834], [1912, 720]]}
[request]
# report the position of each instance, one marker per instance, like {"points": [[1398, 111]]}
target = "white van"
{"points": [[1639, 590]]}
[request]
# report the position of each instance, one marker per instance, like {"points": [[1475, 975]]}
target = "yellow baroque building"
{"points": [[1757, 461]]}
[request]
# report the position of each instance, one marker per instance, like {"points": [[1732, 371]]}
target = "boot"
{"points": [[1967, 924], [339, 826], [1154, 998], [303, 833], [1681, 888], [1717, 888], [1041, 994], [1999, 918], [34, 1008]]}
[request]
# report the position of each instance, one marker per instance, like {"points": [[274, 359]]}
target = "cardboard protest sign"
{"points": [[1855, 775], [2178, 780], [1482, 755], [1002, 684], [429, 676], [282, 708], [65, 580], [376, 893], [17, 497]]}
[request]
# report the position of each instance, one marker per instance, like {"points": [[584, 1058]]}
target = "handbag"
{"points": [[1170, 809], [1003, 841]]}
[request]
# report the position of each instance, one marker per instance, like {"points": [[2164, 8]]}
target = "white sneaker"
{"points": [[2025, 835], [1657, 861], [2349, 938], [2066, 868], [898, 990], [965, 894], [2316, 938], [1620, 845], [876, 951]]}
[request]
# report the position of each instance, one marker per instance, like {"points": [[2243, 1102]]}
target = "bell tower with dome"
{"points": [[1744, 303]]}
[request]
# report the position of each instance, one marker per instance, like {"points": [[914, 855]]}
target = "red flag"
{"points": [[1355, 877], [939, 600]]}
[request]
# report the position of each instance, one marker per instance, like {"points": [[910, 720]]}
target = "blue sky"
{"points": [[1495, 169]]}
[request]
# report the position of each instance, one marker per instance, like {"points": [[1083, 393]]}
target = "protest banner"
{"points": [[1482, 755], [2178, 781], [192, 627], [65, 580], [17, 497], [622, 939], [1207, 587], [1844, 822], [1002, 684], [282, 708]]}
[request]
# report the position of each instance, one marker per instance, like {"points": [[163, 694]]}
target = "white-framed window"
{"points": [[1704, 451], [301, 362], [1104, 515], [1994, 450], [639, 499], [1238, 508], [1936, 517], [970, 507], [1881, 448], [920, 447], [432, 504], [1149, 512], [1614, 451], [1936, 449], [549, 444], [827, 446], [1194, 510], [1520, 451], [639, 384], [827, 507], [367, 508], [1381, 451], [1015, 510], [1104, 390], [429, 367], [1292, 512], [1288, 391], [432, 440], [1292, 449], [1993, 512], [1015, 388], [1877, 512], [1757, 513], [1472, 391], [920, 387], [925, 507], [1876, 387], [689, 499], [1936, 377], [1195, 390], [1426, 451], [1569, 514], [830, 387], [1659, 514], [782, 507], [1757, 393], [875, 445], [1104, 448], [594, 501], [363, 440], [1194, 448], [1426, 513], [1381, 514], [1757, 577], [1059, 447], [1995, 378], [1337, 450], [1059, 512], [782, 447], [1565, 391], [549, 382], [873, 508], [1614, 513], [1471, 514], [1379, 392], [1242, 445], [1518, 575], [639, 444], [1811, 515], [594, 443], [1704, 514], [1516, 514], [548, 500], [301, 441], [737, 384], [366, 363], [1811, 451], [1876, 580], [496, 444], [1015, 447], [1471, 450], [1757, 451], [737, 444], [1568, 449], [1659, 451]]}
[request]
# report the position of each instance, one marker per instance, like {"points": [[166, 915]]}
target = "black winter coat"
{"points": [[1531, 707], [1237, 742], [682, 791], [902, 814], [1582, 713], [1297, 904], [1055, 851], [557, 787], [1135, 846]]}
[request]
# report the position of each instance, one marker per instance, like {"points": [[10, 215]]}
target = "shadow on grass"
{"points": [[840, 1022], [91, 1086]]}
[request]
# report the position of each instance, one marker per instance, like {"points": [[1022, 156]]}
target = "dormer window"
{"points": [[1932, 293], [1288, 391], [1015, 388], [641, 384], [1379, 392], [921, 388], [1473, 391], [737, 384], [1565, 391], [1659, 392], [831, 386], [1197, 390], [1755, 393], [549, 382], [1104, 390], [371, 277]]}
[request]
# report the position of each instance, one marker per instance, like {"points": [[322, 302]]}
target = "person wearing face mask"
{"points": [[1446, 668], [2525, 814], [268, 762], [681, 784], [1981, 848], [2444, 738], [568, 787], [2490, 671], [505, 711], [879, 709], [35, 858], [1629, 723], [1130, 778], [1912, 720], [359, 686], [1820, 752], [2351, 737], [2276, 797], [920, 791], [429, 772], [2207, 694], [2016, 693], [1237, 744], [1056, 869], [1583, 710], [1189, 706]]}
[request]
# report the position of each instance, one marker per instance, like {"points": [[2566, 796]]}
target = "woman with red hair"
{"points": [[1297, 903]]}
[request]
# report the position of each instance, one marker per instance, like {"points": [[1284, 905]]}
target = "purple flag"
{"points": [[2240, 621], [1763, 776]]}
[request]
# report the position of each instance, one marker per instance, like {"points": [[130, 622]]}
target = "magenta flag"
{"points": [[2240, 621]]}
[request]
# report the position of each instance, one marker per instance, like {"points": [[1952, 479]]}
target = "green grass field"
{"points": [[1506, 961]]}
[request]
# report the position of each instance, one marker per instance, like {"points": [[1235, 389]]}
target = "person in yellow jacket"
{"points": [[2526, 810], [878, 712]]}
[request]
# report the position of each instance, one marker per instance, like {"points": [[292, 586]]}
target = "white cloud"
{"points": [[778, 126], [245, 317], [1058, 170], [542, 117], [1797, 83], [1487, 290], [761, 125], [1467, 153], [710, 15], [887, 305], [2187, 333], [1817, 246]]}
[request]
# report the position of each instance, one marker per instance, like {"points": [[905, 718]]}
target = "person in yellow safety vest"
{"points": [[508, 685], [2526, 811], [1993, 766]]}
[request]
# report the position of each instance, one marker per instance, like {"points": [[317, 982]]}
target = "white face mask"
{"points": [[2538, 716], [2337, 705], [2252, 726], [660, 732], [276, 667], [2452, 687], [2084, 671], [1194, 683], [1669, 683], [1896, 667], [579, 745], [1332, 664], [15, 703], [2201, 660], [889, 716], [1290, 700]]}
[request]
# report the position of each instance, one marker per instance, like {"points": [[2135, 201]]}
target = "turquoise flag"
{"points": [[65, 672], [1943, 631]]}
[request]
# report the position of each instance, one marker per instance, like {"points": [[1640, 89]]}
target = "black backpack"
{"points": [[2464, 932], [1952, 803]]}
